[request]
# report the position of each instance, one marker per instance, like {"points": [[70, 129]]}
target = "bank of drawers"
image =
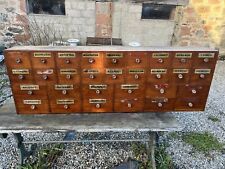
{"points": [[93, 81]]}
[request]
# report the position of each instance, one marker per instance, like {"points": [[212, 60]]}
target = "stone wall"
{"points": [[201, 23], [128, 25]]}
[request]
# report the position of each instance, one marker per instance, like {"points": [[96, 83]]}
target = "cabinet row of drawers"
{"points": [[66, 98], [99, 60]]}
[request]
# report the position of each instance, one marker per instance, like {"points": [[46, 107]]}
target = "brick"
{"points": [[88, 13], [196, 1], [185, 31], [214, 1], [90, 5], [203, 9]]}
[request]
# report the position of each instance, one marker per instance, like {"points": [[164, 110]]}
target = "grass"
{"points": [[213, 118], [163, 160], [202, 142], [45, 158]]}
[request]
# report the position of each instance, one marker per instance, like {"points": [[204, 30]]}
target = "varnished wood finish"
{"points": [[109, 79]]}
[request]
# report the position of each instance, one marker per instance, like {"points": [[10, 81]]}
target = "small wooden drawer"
{"points": [[92, 76], [23, 76], [64, 90], [114, 59], [181, 76], [68, 75], [129, 90], [114, 76], [159, 59], [31, 106], [65, 105], [128, 105], [161, 90], [30, 91], [201, 76], [159, 104], [193, 91], [91, 60], [97, 105], [158, 75], [45, 76], [43, 60], [190, 104], [137, 60], [16, 60], [98, 90], [182, 59], [68, 59], [205, 60], [135, 75]]}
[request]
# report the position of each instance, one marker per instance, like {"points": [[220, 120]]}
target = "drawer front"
{"points": [[182, 59], [205, 59], [23, 76], [137, 60], [68, 59], [114, 59], [158, 75], [91, 60], [128, 105], [181, 76], [135, 75], [159, 59], [201, 76], [193, 91], [97, 105], [159, 104], [18, 60], [31, 106], [45, 76], [65, 105], [30, 91], [69, 75], [43, 60], [114, 76], [98, 90], [129, 90], [161, 90], [92, 76], [64, 90], [189, 104]]}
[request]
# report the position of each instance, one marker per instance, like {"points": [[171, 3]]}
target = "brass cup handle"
{"points": [[206, 60], [91, 76], [65, 106], [98, 106], [30, 92], [114, 76], [21, 77], [45, 77], [67, 61], [43, 60], [97, 91], [91, 60], [202, 76], [68, 76], [190, 104], [18, 60], [180, 76], [138, 60], [160, 105], [158, 76], [33, 107], [64, 92], [114, 61]]}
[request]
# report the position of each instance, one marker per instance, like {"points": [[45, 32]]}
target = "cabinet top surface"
{"points": [[107, 48]]}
